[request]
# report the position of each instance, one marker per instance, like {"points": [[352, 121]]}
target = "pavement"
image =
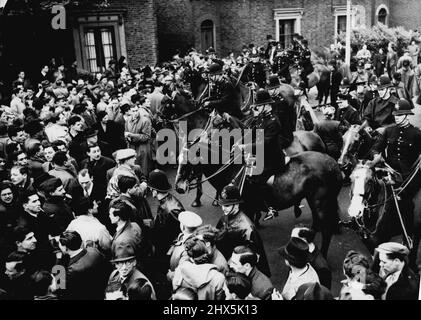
{"points": [[276, 232]]}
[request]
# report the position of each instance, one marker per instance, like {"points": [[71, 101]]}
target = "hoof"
{"points": [[215, 203], [196, 204]]}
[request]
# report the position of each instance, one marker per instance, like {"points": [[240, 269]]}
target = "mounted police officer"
{"points": [[221, 93], [305, 63], [400, 147], [280, 66], [254, 71], [379, 111], [273, 141]]}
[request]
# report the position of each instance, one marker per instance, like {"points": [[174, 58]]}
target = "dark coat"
{"points": [[130, 234], [113, 134], [261, 286], [35, 166], [60, 214], [98, 170], [223, 98], [349, 114], [319, 264], [401, 147], [237, 230], [273, 141], [379, 112], [86, 276], [76, 149], [329, 132], [255, 72], [166, 225], [406, 288]]}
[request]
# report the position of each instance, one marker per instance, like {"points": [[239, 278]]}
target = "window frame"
{"points": [[112, 21], [213, 34], [295, 14]]}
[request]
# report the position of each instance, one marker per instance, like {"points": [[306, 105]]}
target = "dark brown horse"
{"points": [[309, 175]]}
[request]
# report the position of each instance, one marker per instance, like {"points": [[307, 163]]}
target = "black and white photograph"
{"points": [[210, 150]]}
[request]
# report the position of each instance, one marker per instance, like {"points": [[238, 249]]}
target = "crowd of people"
{"points": [[78, 166]]}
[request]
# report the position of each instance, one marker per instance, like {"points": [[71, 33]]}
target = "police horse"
{"points": [[196, 117], [374, 211], [309, 175]]}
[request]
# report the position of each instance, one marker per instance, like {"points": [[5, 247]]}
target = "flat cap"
{"points": [[124, 154], [393, 247], [190, 219]]}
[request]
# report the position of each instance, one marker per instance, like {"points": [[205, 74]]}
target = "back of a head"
{"points": [[313, 291], [197, 250], [40, 282], [247, 255], [122, 209], [239, 284], [60, 158], [125, 183], [71, 239]]}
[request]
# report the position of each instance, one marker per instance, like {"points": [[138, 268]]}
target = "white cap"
{"points": [[190, 219]]}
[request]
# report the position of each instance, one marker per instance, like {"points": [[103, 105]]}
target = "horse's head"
{"points": [[349, 150], [186, 172], [362, 186]]}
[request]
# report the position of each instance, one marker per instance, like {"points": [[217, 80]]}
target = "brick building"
{"points": [[227, 25], [92, 36]]}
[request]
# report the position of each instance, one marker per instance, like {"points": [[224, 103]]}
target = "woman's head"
{"points": [[6, 192], [355, 266]]}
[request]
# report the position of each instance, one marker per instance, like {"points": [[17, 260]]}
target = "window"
{"points": [[288, 22], [98, 39], [286, 30], [207, 35], [100, 48], [341, 24], [382, 15]]}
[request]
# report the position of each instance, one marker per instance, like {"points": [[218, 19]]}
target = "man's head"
{"points": [[17, 134], [230, 200], [60, 159], [120, 211], [243, 260], [69, 241], [15, 266], [42, 283], [59, 145], [19, 175], [53, 188], [392, 257], [124, 259], [75, 123], [93, 152], [31, 203], [35, 150], [189, 221], [303, 232], [25, 239], [85, 179], [237, 286], [263, 103], [21, 159], [128, 184], [49, 152]]}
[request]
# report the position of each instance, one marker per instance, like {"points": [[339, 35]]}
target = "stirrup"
{"points": [[272, 213]]}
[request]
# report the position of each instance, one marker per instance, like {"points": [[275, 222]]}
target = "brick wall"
{"points": [[405, 13], [241, 22], [175, 26], [140, 26]]}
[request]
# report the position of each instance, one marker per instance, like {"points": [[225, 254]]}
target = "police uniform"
{"points": [[401, 147], [306, 65], [255, 72], [281, 67], [222, 94]]}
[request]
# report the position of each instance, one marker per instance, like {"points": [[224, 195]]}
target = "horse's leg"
{"points": [[199, 192], [325, 211], [215, 202]]}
